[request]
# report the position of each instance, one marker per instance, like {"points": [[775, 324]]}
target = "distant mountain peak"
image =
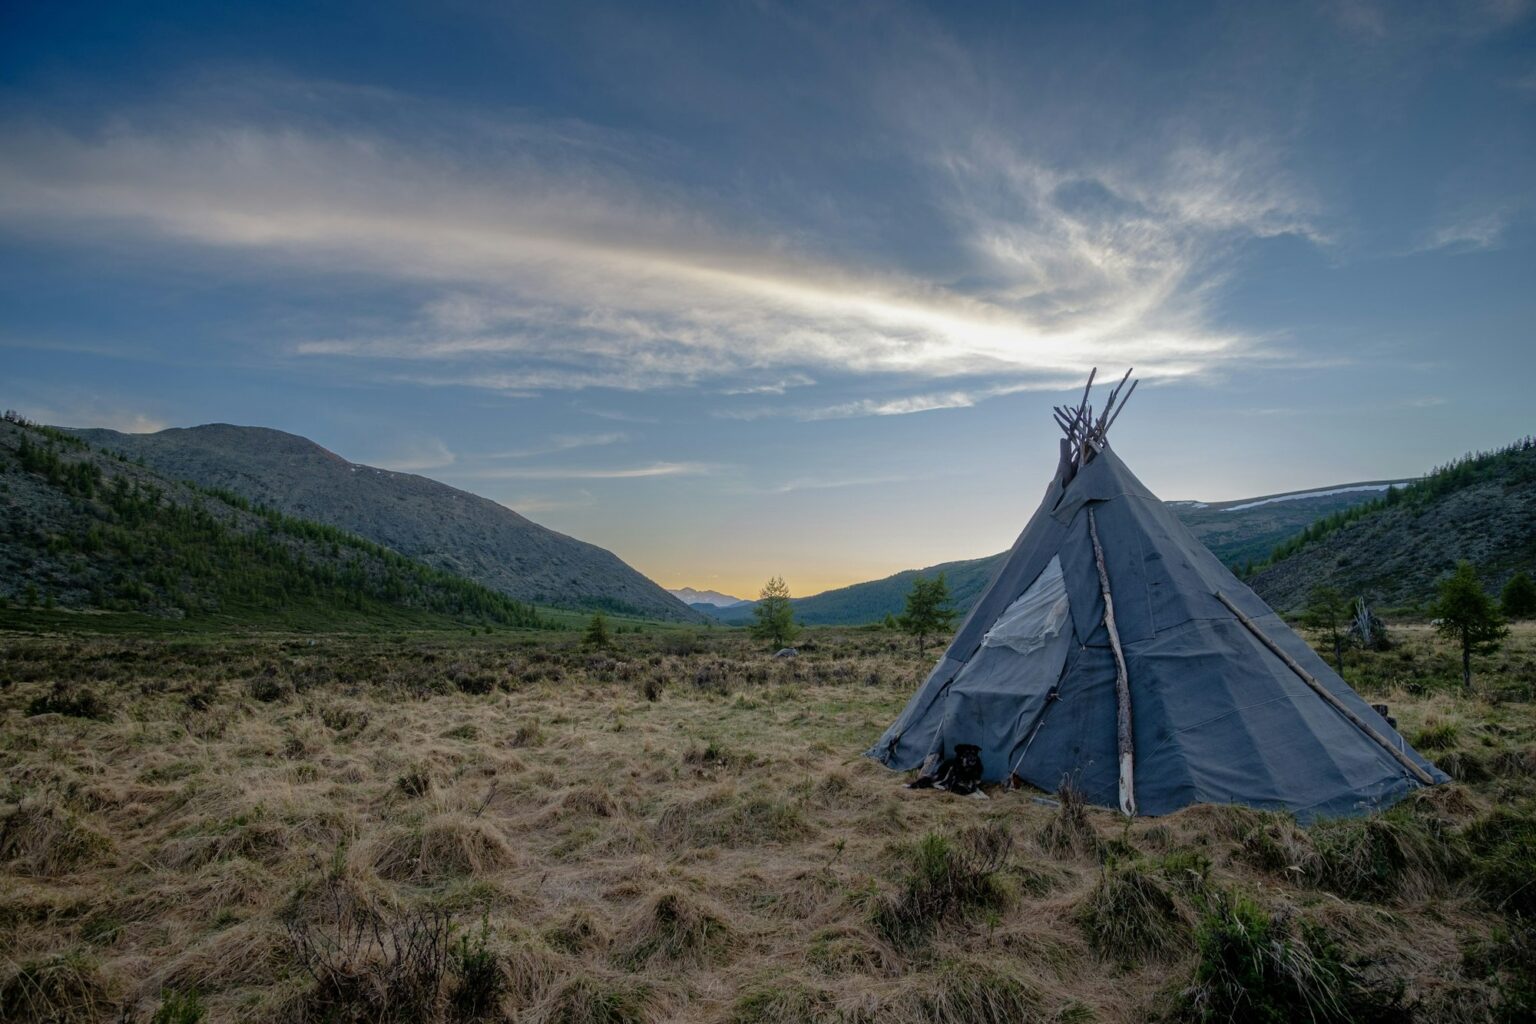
{"points": [[713, 598]]}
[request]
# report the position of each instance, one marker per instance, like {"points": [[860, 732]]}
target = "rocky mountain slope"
{"points": [[450, 529], [1480, 509], [82, 529]]}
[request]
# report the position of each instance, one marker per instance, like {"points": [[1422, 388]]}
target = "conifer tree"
{"points": [[928, 610], [773, 616], [1467, 615], [597, 632], [1518, 599], [1325, 612]]}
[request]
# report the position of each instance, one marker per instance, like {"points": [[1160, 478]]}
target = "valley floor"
{"points": [[682, 829]]}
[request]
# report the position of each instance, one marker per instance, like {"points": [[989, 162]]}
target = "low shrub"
{"points": [[367, 965], [1381, 856], [479, 979], [75, 702], [1436, 736], [268, 688], [1252, 966]]}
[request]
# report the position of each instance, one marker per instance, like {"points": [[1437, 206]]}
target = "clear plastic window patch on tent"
{"points": [[1037, 617]]}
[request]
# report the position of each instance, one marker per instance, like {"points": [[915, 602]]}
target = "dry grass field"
{"points": [[500, 828]]}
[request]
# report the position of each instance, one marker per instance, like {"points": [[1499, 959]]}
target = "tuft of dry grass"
{"points": [[444, 845], [64, 988], [674, 926], [1069, 830], [40, 836], [1131, 915]]}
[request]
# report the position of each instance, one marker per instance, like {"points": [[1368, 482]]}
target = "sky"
{"points": [[744, 289]]}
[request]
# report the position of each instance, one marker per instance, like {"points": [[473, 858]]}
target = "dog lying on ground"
{"points": [[960, 774]]}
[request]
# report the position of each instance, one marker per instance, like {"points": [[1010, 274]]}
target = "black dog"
{"points": [[960, 774]]}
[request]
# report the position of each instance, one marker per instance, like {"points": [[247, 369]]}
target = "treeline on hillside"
{"points": [[193, 556], [1471, 468]]}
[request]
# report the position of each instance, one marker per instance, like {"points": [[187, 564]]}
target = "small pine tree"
{"points": [[1518, 599], [1325, 612], [597, 632], [890, 622], [928, 610], [1468, 615], [773, 616]]}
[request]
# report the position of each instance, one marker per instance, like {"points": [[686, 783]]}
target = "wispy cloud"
{"points": [[652, 469], [1472, 233], [777, 387], [556, 444], [534, 504], [813, 483], [556, 268]]}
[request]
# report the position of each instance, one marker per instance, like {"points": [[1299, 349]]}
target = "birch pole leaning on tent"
{"points": [[1124, 739], [1322, 691]]}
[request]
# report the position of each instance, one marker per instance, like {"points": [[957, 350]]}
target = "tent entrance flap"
{"points": [[1036, 617], [997, 698]]}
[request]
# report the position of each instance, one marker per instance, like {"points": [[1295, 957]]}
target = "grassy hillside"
{"points": [[452, 530], [1480, 508], [88, 531], [449, 830]]}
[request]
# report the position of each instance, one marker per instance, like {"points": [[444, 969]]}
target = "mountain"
{"points": [[1480, 509], [442, 526], [708, 598], [870, 602], [1247, 529], [86, 530], [1237, 531]]}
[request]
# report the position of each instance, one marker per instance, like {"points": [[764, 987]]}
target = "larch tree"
{"points": [[1465, 613], [927, 611], [1325, 612], [597, 632], [773, 616]]}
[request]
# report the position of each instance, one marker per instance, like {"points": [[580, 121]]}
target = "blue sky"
{"points": [[755, 288]]}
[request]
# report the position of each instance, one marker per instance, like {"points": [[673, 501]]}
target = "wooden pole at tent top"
{"points": [[1086, 434]]}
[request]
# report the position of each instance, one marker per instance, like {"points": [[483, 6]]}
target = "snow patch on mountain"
{"points": [[1315, 494]]}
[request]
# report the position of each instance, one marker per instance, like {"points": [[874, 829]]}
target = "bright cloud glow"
{"points": [[555, 272]]}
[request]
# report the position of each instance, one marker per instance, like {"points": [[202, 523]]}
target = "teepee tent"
{"points": [[1112, 651]]}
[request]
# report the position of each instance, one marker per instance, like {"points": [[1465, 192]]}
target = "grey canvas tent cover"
{"points": [[1113, 651]]}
